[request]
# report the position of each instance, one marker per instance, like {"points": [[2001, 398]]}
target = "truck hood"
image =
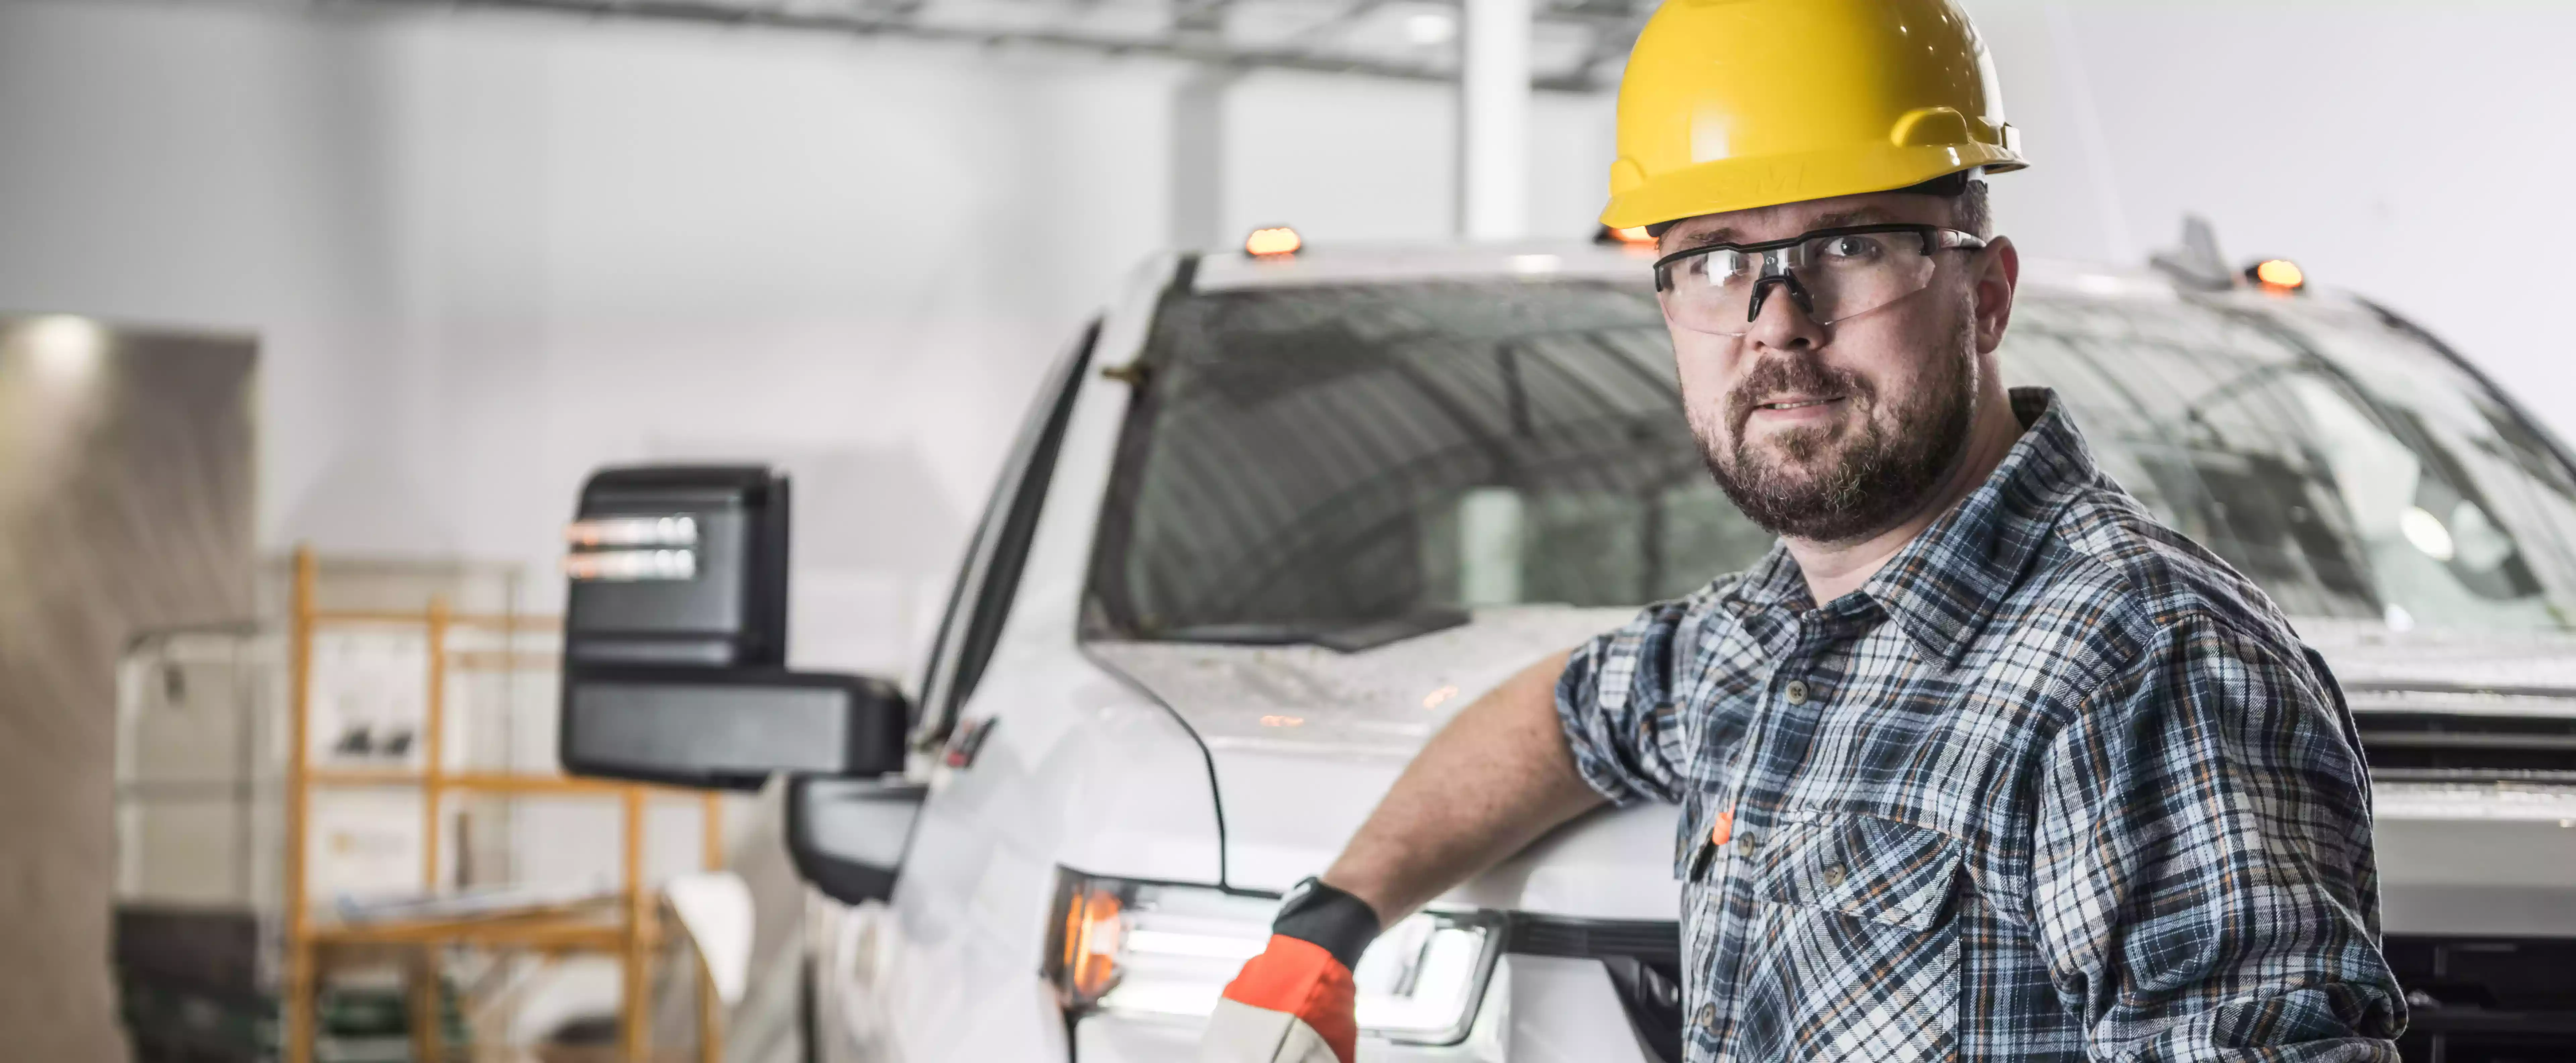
{"points": [[1304, 740], [2370, 656]]}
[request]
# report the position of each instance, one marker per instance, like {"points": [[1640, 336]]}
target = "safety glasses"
{"points": [[1832, 274]]}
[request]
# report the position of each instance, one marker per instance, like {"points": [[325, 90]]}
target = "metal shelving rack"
{"points": [[630, 933]]}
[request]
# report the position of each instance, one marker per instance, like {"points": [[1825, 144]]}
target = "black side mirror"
{"points": [[728, 729], [675, 641]]}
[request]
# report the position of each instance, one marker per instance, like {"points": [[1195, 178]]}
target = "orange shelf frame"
{"points": [[631, 935]]}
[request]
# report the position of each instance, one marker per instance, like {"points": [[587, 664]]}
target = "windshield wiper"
{"points": [[1345, 637]]}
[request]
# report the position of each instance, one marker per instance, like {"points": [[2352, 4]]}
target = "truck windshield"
{"points": [[1379, 456]]}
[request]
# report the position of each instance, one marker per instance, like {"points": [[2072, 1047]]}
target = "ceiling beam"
{"points": [[899, 22]]}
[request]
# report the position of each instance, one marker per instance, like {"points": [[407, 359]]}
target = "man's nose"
{"points": [[1784, 324]]}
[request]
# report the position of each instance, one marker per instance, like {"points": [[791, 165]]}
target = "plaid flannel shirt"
{"points": [[2055, 783]]}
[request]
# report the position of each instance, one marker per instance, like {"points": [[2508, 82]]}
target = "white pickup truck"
{"points": [[1273, 520]]}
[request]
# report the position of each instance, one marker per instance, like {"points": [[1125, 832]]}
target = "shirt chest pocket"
{"points": [[1856, 951]]}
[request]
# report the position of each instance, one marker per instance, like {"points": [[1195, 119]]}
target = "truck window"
{"points": [[1369, 452], [1321, 457]]}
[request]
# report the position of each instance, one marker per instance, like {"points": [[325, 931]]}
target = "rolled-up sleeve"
{"points": [[2202, 882], [1616, 702]]}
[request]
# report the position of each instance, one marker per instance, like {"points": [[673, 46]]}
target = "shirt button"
{"points": [[1834, 875], [1708, 1017], [1796, 692], [1748, 840]]}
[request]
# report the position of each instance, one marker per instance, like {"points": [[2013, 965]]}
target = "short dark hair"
{"points": [[1965, 190], [1975, 215]]}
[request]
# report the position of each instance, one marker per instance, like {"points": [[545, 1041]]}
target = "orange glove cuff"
{"points": [[1302, 980]]}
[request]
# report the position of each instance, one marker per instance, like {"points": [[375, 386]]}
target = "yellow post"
{"points": [[710, 1016], [433, 747], [711, 841], [712, 857], [427, 1043], [633, 1009], [298, 1024]]}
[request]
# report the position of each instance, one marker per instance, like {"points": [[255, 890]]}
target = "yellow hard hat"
{"points": [[1731, 104]]}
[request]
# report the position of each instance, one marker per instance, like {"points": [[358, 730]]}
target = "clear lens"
{"points": [[619, 566], [1842, 274], [620, 562], [678, 530], [1168, 951]]}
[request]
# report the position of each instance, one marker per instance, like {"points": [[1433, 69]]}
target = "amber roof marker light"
{"points": [[1273, 241], [1634, 238], [2279, 276]]}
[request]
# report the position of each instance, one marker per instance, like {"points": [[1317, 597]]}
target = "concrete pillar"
{"points": [[1198, 160], [1493, 120]]}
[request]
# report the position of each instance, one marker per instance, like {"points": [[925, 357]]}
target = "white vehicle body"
{"points": [[1247, 767]]}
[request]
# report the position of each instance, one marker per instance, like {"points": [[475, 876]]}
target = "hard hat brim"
{"points": [[1725, 185]]}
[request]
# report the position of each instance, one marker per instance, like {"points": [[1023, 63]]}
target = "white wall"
{"points": [[2408, 151], [491, 252]]}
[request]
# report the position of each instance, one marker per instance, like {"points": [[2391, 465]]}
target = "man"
{"points": [[1979, 761]]}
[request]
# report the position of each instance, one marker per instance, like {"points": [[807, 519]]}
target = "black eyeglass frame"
{"points": [[1776, 270]]}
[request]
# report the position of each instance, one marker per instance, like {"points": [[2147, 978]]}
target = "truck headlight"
{"points": [[1154, 950]]}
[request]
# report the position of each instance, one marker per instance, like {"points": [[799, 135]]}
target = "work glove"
{"points": [[1294, 1003]]}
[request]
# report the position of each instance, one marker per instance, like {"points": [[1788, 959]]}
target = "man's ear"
{"points": [[1998, 274]]}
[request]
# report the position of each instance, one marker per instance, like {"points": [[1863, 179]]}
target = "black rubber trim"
{"points": [[1016, 535], [1525, 934], [1641, 956]]}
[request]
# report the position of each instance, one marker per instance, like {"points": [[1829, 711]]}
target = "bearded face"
{"points": [[1833, 432], [1817, 452]]}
